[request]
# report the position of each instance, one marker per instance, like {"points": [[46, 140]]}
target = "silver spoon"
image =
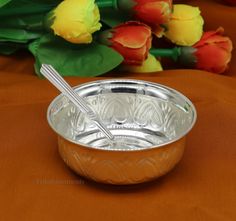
{"points": [[55, 78]]}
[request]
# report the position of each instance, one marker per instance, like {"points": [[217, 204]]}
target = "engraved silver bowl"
{"points": [[150, 122]]}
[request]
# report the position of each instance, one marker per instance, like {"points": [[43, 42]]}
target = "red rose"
{"points": [[132, 40], [155, 13], [212, 53]]}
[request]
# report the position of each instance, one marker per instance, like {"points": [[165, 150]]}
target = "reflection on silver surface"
{"points": [[140, 115]]}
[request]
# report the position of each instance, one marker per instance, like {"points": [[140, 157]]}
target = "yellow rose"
{"points": [[75, 20], [151, 64], [185, 26]]}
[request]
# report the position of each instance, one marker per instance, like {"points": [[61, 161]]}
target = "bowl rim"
{"points": [[131, 81]]}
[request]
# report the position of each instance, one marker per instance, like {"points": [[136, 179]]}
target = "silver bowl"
{"points": [[150, 122]]}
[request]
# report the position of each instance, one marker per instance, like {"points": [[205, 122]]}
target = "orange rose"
{"points": [[212, 53], [132, 40], [155, 13]]}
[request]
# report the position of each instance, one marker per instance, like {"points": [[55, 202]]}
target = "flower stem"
{"points": [[107, 4], [173, 53]]}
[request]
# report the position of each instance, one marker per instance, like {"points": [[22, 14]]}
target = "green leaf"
{"points": [[4, 2], [23, 7], [113, 17], [20, 2], [32, 22], [18, 35], [72, 59], [21, 28]]}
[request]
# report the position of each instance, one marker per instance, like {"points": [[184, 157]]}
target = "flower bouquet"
{"points": [[90, 38]]}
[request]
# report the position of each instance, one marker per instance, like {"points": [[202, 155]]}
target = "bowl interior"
{"points": [[140, 114]]}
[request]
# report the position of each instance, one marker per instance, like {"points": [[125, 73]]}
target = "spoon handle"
{"points": [[55, 78]]}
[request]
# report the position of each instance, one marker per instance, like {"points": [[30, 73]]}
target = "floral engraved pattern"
{"points": [[125, 169], [129, 111], [115, 109]]}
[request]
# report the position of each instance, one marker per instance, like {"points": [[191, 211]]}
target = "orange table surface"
{"points": [[36, 185]]}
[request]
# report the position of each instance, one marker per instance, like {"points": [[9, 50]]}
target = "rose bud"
{"points": [[75, 20], [132, 40], [155, 13], [212, 53], [185, 27]]}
